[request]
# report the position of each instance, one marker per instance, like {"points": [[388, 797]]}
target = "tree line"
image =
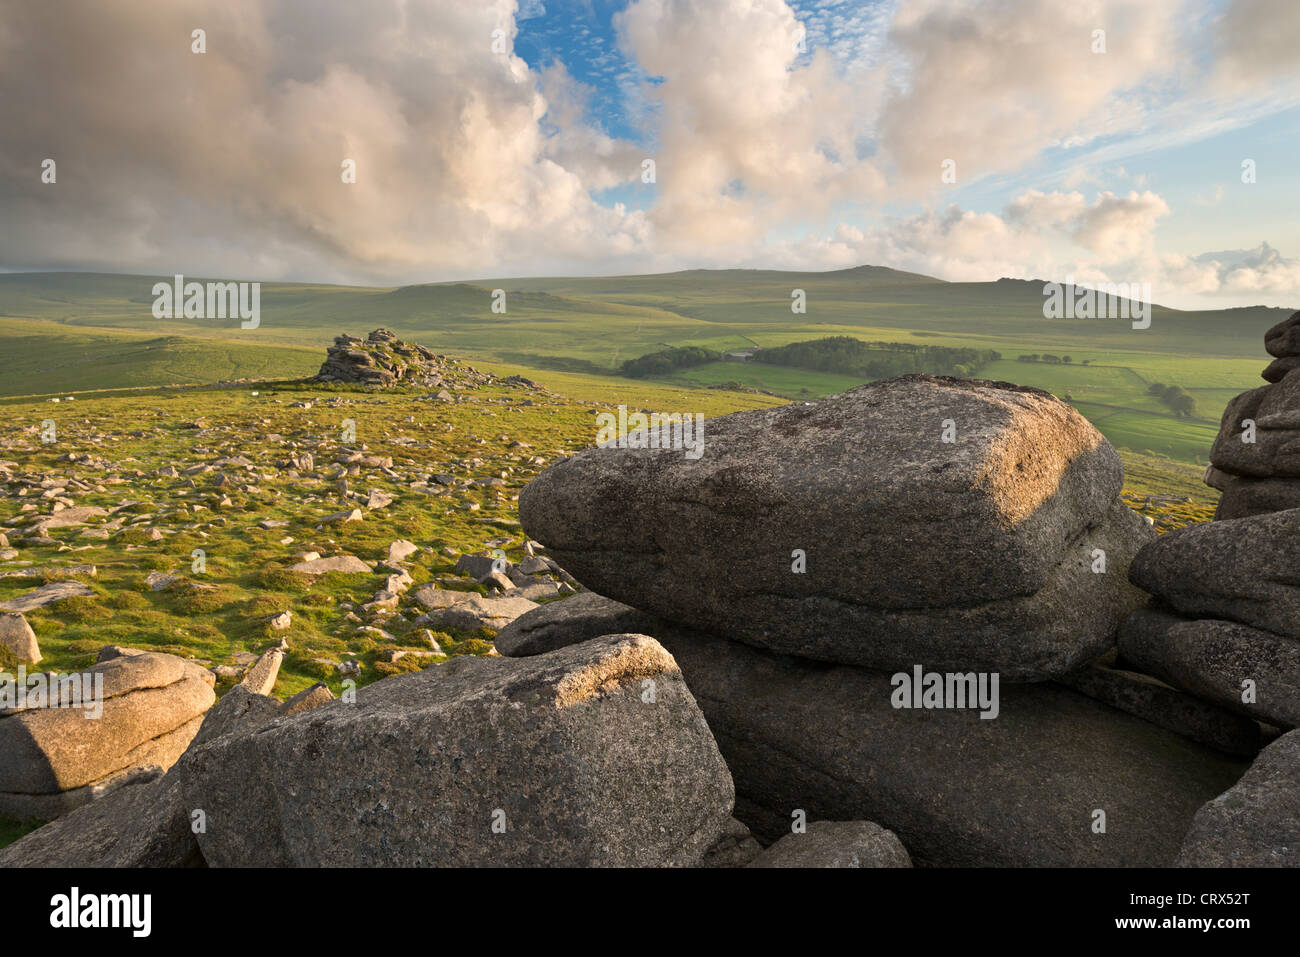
{"points": [[846, 355], [1174, 396]]}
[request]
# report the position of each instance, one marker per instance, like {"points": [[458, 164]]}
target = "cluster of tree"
{"points": [[1174, 396], [876, 360], [1049, 359], [669, 360]]}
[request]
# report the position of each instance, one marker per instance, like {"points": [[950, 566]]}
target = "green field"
{"points": [[66, 332]]}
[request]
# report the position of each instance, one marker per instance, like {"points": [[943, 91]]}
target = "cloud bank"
{"points": [[767, 149]]}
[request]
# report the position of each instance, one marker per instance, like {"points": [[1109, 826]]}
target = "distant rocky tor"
{"points": [[744, 683], [381, 359]]}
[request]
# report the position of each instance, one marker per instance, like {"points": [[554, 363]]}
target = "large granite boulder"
{"points": [[1245, 570], [53, 759], [593, 755], [977, 553], [1283, 340], [1021, 789], [1275, 410], [1241, 497], [1256, 823], [1242, 669]]}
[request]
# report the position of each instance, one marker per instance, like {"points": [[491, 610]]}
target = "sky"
{"points": [[402, 141]]}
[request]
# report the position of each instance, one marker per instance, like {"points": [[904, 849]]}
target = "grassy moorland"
{"points": [[211, 467], [73, 331], [180, 470]]}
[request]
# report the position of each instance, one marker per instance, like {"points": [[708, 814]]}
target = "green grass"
{"points": [[74, 332], [217, 613]]}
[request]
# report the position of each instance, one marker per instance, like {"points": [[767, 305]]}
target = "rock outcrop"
{"points": [[1245, 570], [383, 360], [17, 636], [1242, 669], [1227, 624], [956, 523], [141, 823], [1020, 790], [144, 821], [592, 755], [1255, 462]]}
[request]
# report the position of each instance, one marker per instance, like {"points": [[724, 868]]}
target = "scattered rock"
{"points": [[479, 612], [17, 636], [837, 844], [347, 564], [160, 581], [260, 678], [47, 595], [401, 549]]}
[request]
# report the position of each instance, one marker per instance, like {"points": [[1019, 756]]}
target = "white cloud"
{"points": [[472, 164], [746, 139], [229, 161]]}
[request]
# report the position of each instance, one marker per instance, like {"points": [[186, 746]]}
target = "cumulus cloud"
{"points": [[230, 161], [990, 84], [1257, 40], [747, 139], [1262, 270], [1037, 235]]}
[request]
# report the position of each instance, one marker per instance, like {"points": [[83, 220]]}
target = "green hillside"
{"points": [[77, 331]]}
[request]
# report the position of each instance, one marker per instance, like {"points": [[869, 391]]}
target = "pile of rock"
{"points": [[132, 710], [1255, 462], [1227, 625], [382, 359], [909, 527]]}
